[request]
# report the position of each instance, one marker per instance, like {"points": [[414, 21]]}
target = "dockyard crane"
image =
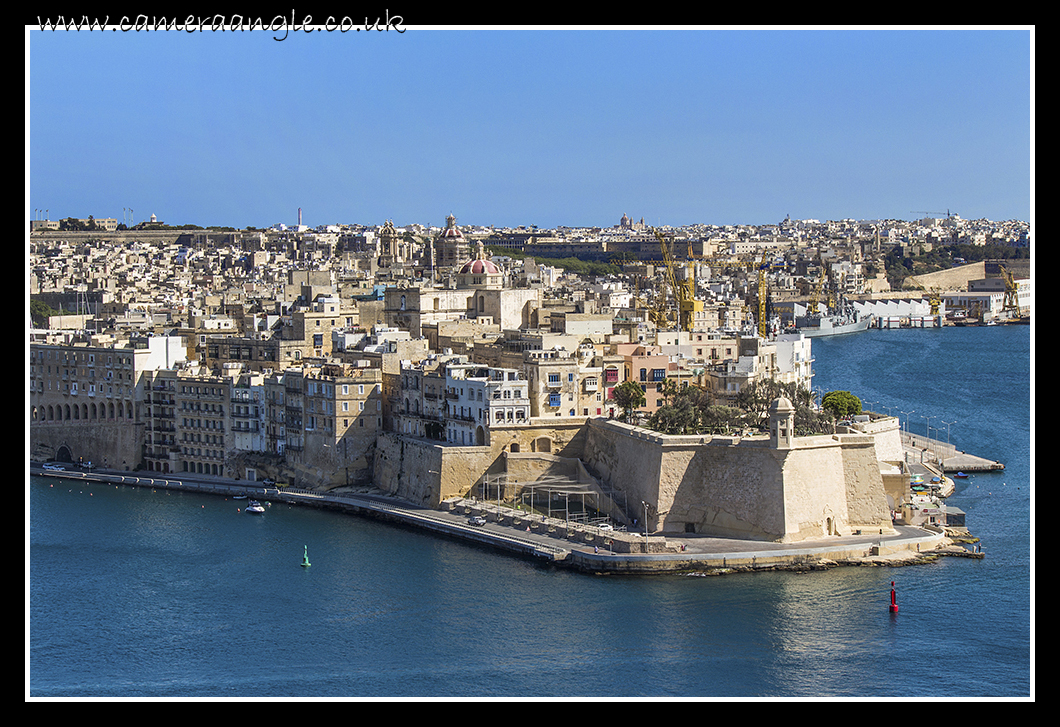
{"points": [[935, 300], [761, 267], [1011, 303], [815, 296], [933, 214], [684, 291]]}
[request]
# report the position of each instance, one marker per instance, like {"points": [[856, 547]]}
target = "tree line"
{"points": [[695, 410]]}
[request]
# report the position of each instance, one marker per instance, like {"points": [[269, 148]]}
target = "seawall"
{"points": [[582, 547]]}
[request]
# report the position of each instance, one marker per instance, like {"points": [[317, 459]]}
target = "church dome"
{"points": [[451, 230], [480, 267]]}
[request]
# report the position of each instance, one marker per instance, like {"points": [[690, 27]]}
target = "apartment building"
{"points": [[478, 397], [332, 413], [86, 394], [186, 416]]}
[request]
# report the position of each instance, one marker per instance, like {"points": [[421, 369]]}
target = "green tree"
{"points": [[39, 312], [841, 403], [719, 419], [681, 417], [629, 397]]}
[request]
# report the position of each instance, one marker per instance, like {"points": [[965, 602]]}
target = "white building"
{"points": [[478, 397]]}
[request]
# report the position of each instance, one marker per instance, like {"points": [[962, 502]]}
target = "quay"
{"points": [[583, 547], [945, 455]]}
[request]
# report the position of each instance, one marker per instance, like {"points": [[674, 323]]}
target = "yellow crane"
{"points": [[815, 296], [684, 291], [1011, 303], [763, 290], [935, 300]]}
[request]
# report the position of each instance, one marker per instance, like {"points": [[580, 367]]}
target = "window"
{"points": [[554, 399], [553, 378]]}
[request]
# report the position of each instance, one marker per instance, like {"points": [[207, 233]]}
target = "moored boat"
{"points": [[255, 507]]}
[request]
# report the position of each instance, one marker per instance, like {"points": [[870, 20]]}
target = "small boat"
{"points": [[305, 558], [961, 475], [255, 507], [241, 496]]}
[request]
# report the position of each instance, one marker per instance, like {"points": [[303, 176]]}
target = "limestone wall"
{"points": [[949, 279], [115, 445], [723, 486], [866, 501], [815, 489], [724, 490], [887, 435], [713, 486]]}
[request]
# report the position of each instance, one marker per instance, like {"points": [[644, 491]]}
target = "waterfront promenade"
{"points": [[581, 546], [948, 458]]}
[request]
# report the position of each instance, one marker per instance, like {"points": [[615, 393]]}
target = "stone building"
{"points": [[86, 396]]}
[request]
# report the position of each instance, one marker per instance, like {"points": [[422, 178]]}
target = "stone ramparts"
{"points": [[743, 487]]}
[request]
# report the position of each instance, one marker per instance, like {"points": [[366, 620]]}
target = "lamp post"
{"points": [[645, 525], [948, 428], [907, 413]]}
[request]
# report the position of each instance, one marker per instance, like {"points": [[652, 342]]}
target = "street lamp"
{"points": [[645, 525], [907, 413], [948, 429]]}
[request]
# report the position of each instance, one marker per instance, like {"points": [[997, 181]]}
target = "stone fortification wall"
{"points": [[711, 485], [815, 489], [733, 490], [887, 435], [733, 487], [564, 473], [426, 472], [115, 445], [951, 279], [866, 502]]}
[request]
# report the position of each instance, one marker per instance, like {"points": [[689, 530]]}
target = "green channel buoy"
{"points": [[305, 558]]}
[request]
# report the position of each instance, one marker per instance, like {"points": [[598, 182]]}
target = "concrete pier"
{"points": [[945, 455]]}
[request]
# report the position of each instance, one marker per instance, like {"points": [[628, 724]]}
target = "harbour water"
{"points": [[134, 593]]}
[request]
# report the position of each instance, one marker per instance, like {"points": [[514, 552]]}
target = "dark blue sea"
{"points": [[135, 593]]}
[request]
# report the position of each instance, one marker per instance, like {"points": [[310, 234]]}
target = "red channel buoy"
{"points": [[894, 605]]}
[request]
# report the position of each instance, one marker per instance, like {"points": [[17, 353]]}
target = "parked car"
{"points": [[54, 467], [605, 526], [476, 520]]}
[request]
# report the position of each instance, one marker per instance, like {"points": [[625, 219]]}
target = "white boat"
{"points": [[255, 507]]}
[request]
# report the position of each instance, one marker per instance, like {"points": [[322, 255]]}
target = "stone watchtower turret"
{"points": [[781, 423]]}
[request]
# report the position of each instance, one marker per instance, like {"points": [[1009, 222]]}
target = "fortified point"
{"points": [[773, 488]]}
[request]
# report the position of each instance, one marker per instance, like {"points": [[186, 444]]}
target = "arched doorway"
{"points": [[542, 444], [63, 454], [480, 437]]}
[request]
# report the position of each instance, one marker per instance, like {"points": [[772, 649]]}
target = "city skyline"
{"points": [[547, 127]]}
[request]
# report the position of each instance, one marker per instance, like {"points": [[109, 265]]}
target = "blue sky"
{"points": [[530, 127]]}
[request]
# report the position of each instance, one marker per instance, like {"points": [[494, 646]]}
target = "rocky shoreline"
{"points": [[951, 547]]}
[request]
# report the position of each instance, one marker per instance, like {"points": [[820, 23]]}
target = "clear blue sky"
{"points": [[545, 127]]}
